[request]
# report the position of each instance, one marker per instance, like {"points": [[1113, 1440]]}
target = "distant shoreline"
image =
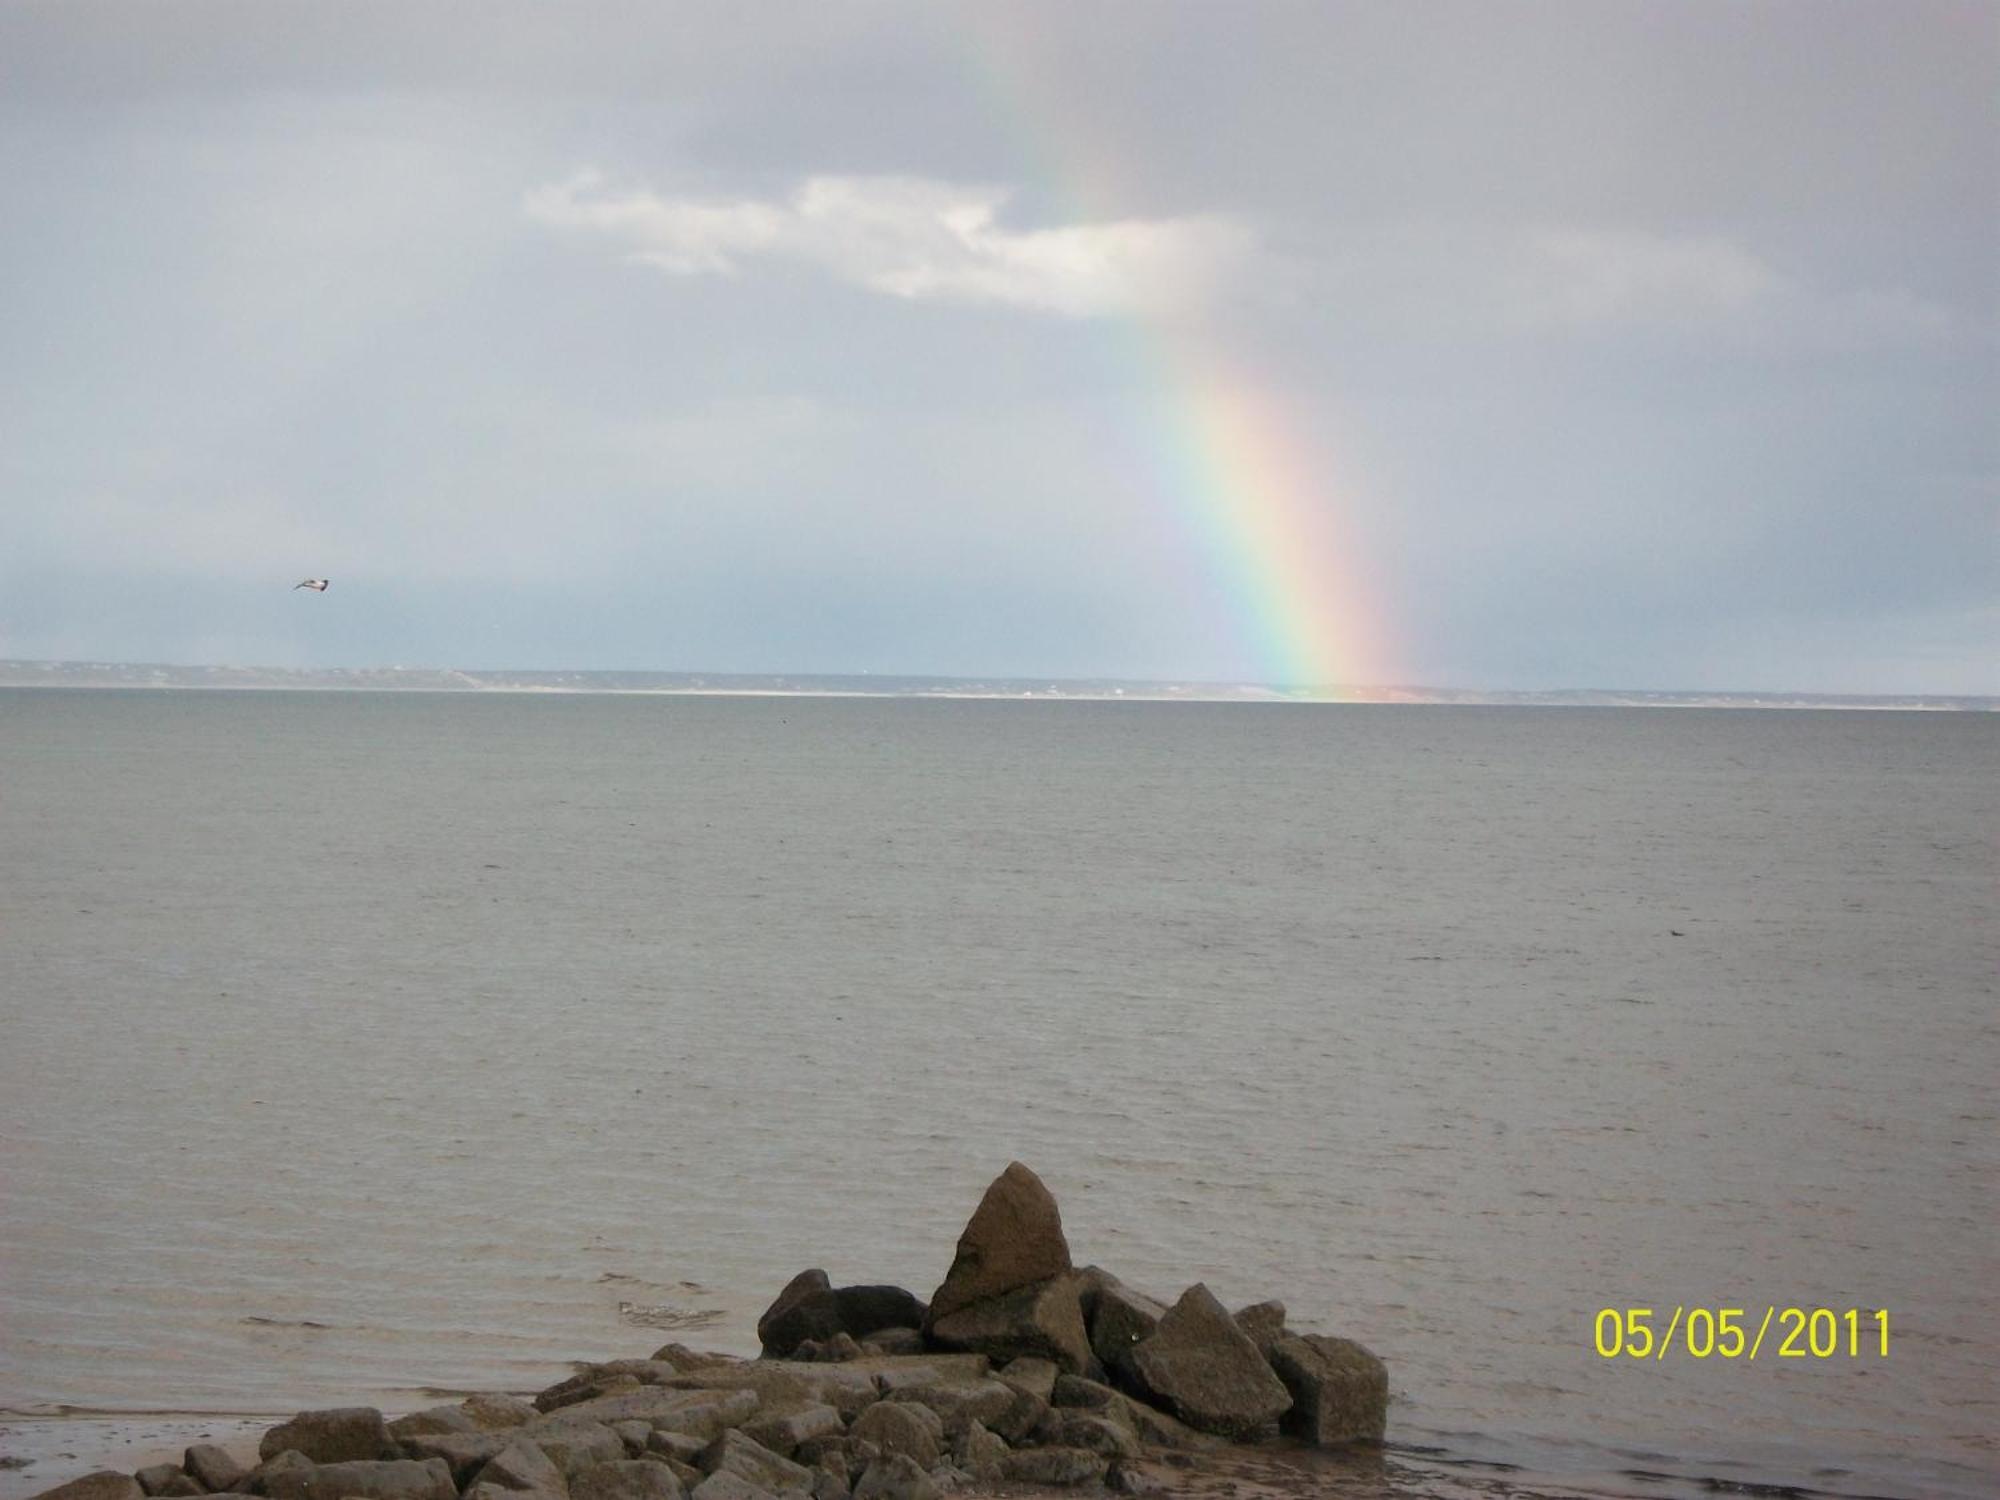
{"points": [[164, 677]]}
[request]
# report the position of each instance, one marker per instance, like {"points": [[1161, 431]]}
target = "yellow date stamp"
{"points": [[1742, 1333]]}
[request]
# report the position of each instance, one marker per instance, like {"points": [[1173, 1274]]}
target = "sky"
{"points": [[1467, 345]]}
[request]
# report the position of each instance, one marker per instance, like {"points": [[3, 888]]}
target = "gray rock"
{"points": [[491, 1410], [727, 1487], [167, 1479], [1120, 1318], [1205, 1371], [571, 1446], [1086, 1395], [980, 1452], [894, 1341], [1125, 1477], [214, 1468], [1154, 1428], [710, 1415], [341, 1434], [431, 1422], [1013, 1239], [368, 1479], [901, 1427], [686, 1473], [689, 1359], [105, 1484], [660, 1405], [1263, 1323], [989, 1401], [828, 1485], [284, 1463], [1096, 1434], [465, 1453], [626, 1479], [591, 1386], [783, 1434], [521, 1468], [1035, 1376], [750, 1461], [1054, 1466], [1340, 1391], [683, 1447], [1042, 1320], [896, 1476]]}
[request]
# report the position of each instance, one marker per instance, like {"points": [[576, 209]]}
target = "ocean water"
{"points": [[362, 1045]]}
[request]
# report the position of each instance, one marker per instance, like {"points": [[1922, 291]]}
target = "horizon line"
{"points": [[1009, 687]]}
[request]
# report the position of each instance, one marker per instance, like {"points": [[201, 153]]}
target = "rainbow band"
{"points": [[1251, 493]]}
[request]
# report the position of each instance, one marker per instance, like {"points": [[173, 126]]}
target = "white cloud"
{"points": [[912, 238]]}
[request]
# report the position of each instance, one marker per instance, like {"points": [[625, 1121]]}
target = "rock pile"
{"points": [[1020, 1368]]}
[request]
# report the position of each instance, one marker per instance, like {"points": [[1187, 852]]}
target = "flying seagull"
{"points": [[318, 584]]}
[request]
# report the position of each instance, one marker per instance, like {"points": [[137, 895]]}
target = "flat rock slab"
{"points": [[750, 1461], [1013, 1239], [1204, 1369], [522, 1468]]}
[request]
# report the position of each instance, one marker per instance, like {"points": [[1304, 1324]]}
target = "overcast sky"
{"points": [[1618, 345]]}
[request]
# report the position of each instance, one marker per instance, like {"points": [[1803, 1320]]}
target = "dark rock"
{"points": [[105, 1484], [491, 1410], [901, 1427], [521, 1468], [1205, 1371], [865, 1311], [1054, 1466], [431, 1422], [626, 1479], [1125, 1477], [1155, 1429], [167, 1479], [783, 1434], [368, 1479], [343, 1434], [689, 1476], [1340, 1391], [579, 1389], [1041, 1320], [828, 1485], [896, 1476], [1089, 1395], [465, 1453], [1013, 1239], [750, 1461], [1119, 1319], [1263, 1323], [809, 1311], [805, 1309], [214, 1468]]}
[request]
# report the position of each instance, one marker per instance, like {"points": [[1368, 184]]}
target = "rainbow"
{"points": [[1257, 499]]}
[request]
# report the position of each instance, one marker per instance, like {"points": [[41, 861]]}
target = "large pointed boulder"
{"points": [[1013, 1239], [1201, 1367]]}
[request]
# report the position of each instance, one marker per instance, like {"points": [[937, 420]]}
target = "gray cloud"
{"points": [[1633, 344]]}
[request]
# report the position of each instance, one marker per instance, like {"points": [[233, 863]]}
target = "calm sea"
{"points": [[362, 1044]]}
